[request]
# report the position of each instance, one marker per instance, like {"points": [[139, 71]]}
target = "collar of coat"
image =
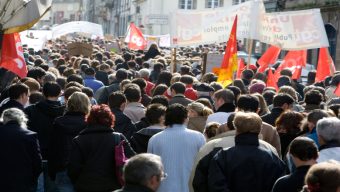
{"points": [[96, 129]]}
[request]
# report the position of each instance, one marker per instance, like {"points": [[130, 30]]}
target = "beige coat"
{"points": [[197, 123]]}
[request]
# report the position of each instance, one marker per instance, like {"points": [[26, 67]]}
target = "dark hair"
{"points": [[178, 87], [73, 83], [284, 80], [268, 96], [154, 112], [102, 115], [313, 97], [116, 99], [158, 67], [205, 102], [38, 62], [51, 89], [303, 148], [161, 99], [175, 114], [315, 115], [248, 103], [75, 77], [281, 99], [132, 92], [335, 80], [127, 56], [187, 79], [247, 74], [36, 97], [159, 90], [211, 129], [290, 122], [90, 71], [240, 84], [36, 73], [235, 90], [230, 122], [16, 90], [140, 82], [311, 77], [121, 74], [61, 82], [164, 78], [88, 91], [70, 90], [286, 72]]}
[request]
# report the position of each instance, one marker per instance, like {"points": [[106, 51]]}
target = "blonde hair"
{"points": [[247, 122], [288, 90], [263, 105], [200, 109], [78, 102]]}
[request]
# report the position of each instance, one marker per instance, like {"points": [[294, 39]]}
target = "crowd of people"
{"points": [[123, 122]]}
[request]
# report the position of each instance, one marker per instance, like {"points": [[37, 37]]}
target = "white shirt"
{"points": [[219, 117]]}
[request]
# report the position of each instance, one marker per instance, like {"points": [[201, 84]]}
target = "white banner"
{"points": [[35, 39], [293, 30], [78, 27]]}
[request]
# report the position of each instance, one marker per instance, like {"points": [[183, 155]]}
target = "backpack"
{"points": [[120, 159]]}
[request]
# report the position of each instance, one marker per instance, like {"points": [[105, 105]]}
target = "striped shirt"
{"points": [[177, 146]]}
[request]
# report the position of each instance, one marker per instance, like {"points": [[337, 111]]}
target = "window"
{"points": [[187, 4], [235, 2], [213, 3]]}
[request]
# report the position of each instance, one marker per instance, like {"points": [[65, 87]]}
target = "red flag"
{"points": [[269, 57], [337, 90], [136, 38], [241, 67], [293, 61], [325, 65], [12, 56], [229, 62], [271, 80]]}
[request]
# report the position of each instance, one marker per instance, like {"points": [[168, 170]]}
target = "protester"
{"points": [[18, 97], [224, 105], [312, 119], [198, 114], [177, 93], [133, 109]]}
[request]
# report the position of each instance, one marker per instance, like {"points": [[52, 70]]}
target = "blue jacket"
{"points": [[92, 83]]}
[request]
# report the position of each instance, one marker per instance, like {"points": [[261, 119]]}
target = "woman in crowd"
{"points": [[92, 161], [198, 114]]}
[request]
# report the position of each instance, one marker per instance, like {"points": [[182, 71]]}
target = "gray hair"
{"points": [[144, 73], [329, 129], [140, 168], [14, 114], [49, 77]]}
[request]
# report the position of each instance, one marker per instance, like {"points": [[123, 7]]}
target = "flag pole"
{"points": [[174, 60], [250, 50]]}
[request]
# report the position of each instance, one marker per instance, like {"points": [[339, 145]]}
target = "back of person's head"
{"points": [[132, 92], [15, 91], [311, 77], [289, 122], [211, 129], [116, 99], [49, 77], [121, 74], [240, 84], [161, 99], [290, 91], [281, 99], [127, 56], [235, 90], [185, 70], [175, 114], [247, 123], [328, 129], [36, 73], [14, 114], [140, 82], [78, 102], [247, 74], [140, 168], [200, 109], [187, 79], [159, 90], [101, 115], [315, 115], [205, 102], [335, 80], [144, 73], [208, 78], [36, 97], [178, 87], [75, 77], [269, 96], [70, 90], [73, 83], [164, 78], [154, 112], [90, 71], [88, 91], [323, 177], [51, 89], [158, 67], [61, 82], [313, 97], [284, 81], [33, 85], [286, 72], [226, 95], [248, 103], [303, 148]]}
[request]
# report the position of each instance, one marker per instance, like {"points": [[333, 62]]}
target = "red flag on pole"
{"points": [[241, 67], [293, 61], [269, 57], [271, 80], [325, 65], [12, 56], [136, 38], [229, 62]]}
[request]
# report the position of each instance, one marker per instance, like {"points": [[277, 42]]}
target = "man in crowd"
{"points": [[18, 97], [224, 103], [177, 93], [134, 109]]}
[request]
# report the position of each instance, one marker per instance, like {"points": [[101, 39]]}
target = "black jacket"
{"points": [[134, 188], [227, 108], [244, 167], [272, 116], [143, 123], [103, 93], [40, 120], [151, 53], [11, 104], [103, 77], [139, 140], [92, 164], [65, 128], [20, 161], [123, 123], [293, 182]]}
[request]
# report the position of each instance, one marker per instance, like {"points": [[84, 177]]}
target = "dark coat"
{"points": [[11, 104], [20, 162], [103, 93], [272, 116], [293, 182], [181, 99], [244, 167], [103, 77], [143, 123], [151, 53], [65, 128], [227, 108], [92, 163], [40, 120], [123, 123], [134, 188], [140, 140]]}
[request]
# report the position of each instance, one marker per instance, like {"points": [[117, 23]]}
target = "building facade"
{"points": [[63, 11]]}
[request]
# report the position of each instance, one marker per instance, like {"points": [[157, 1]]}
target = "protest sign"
{"points": [[78, 48], [35, 39], [113, 47], [78, 27]]}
